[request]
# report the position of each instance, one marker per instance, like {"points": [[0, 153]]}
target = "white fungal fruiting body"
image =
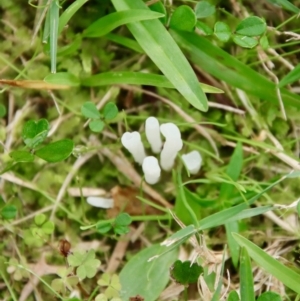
{"points": [[172, 145], [151, 170], [100, 202], [192, 161], [153, 134], [133, 143]]}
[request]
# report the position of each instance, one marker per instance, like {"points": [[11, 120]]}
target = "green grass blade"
{"points": [[69, 13], [287, 276], [136, 78], [246, 277], [226, 67], [165, 53], [291, 77], [108, 23], [126, 42], [54, 19], [46, 31], [286, 5]]}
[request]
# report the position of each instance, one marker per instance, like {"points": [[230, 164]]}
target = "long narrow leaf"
{"points": [[136, 78], [108, 23], [165, 53], [54, 19], [287, 276], [226, 67], [247, 285]]}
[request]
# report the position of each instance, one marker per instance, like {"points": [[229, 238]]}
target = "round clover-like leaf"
{"points": [[21, 156], [222, 31], [185, 272], [39, 219], [183, 18], [103, 228], [123, 219], [264, 42], [35, 132], [204, 9], [233, 296], [89, 110], [251, 27], [269, 296], [48, 227], [244, 41], [9, 212], [204, 28], [110, 111], [96, 125], [56, 151], [160, 8]]}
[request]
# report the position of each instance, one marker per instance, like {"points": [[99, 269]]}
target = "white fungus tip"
{"points": [[151, 170], [99, 202], [192, 161], [133, 143], [170, 130], [153, 134]]}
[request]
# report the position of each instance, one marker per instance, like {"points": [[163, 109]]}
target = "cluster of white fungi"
{"points": [[168, 150]]}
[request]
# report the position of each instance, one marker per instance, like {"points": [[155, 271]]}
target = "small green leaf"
{"points": [[48, 227], [96, 125], [58, 286], [56, 151], [160, 8], [204, 28], [123, 219], [222, 31], [269, 296], [62, 78], [233, 296], [9, 212], [110, 111], [185, 272], [103, 228], [204, 9], [244, 41], [35, 132], [21, 156], [183, 18], [264, 42], [89, 110], [40, 219], [121, 230], [251, 27], [2, 110]]}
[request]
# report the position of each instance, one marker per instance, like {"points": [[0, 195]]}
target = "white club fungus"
{"points": [[153, 134], [151, 170], [100, 202], [192, 161], [133, 143]]}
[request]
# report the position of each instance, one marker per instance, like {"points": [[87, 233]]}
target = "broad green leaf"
{"points": [[89, 110], [183, 18], [39, 219], [48, 227], [2, 110], [233, 296], [21, 156], [204, 28], [123, 219], [160, 8], [103, 228], [9, 212], [136, 78], [284, 274], [185, 272], [269, 296], [110, 111], [96, 125], [35, 132], [124, 41], [286, 5], [62, 78], [165, 53], [54, 20], [251, 27], [246, 277], [56, 151], [147, 279], [222, 31], [226, 67], [108, 23], [244, 41], [204, 9], [291, 77], [69, 13]]}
